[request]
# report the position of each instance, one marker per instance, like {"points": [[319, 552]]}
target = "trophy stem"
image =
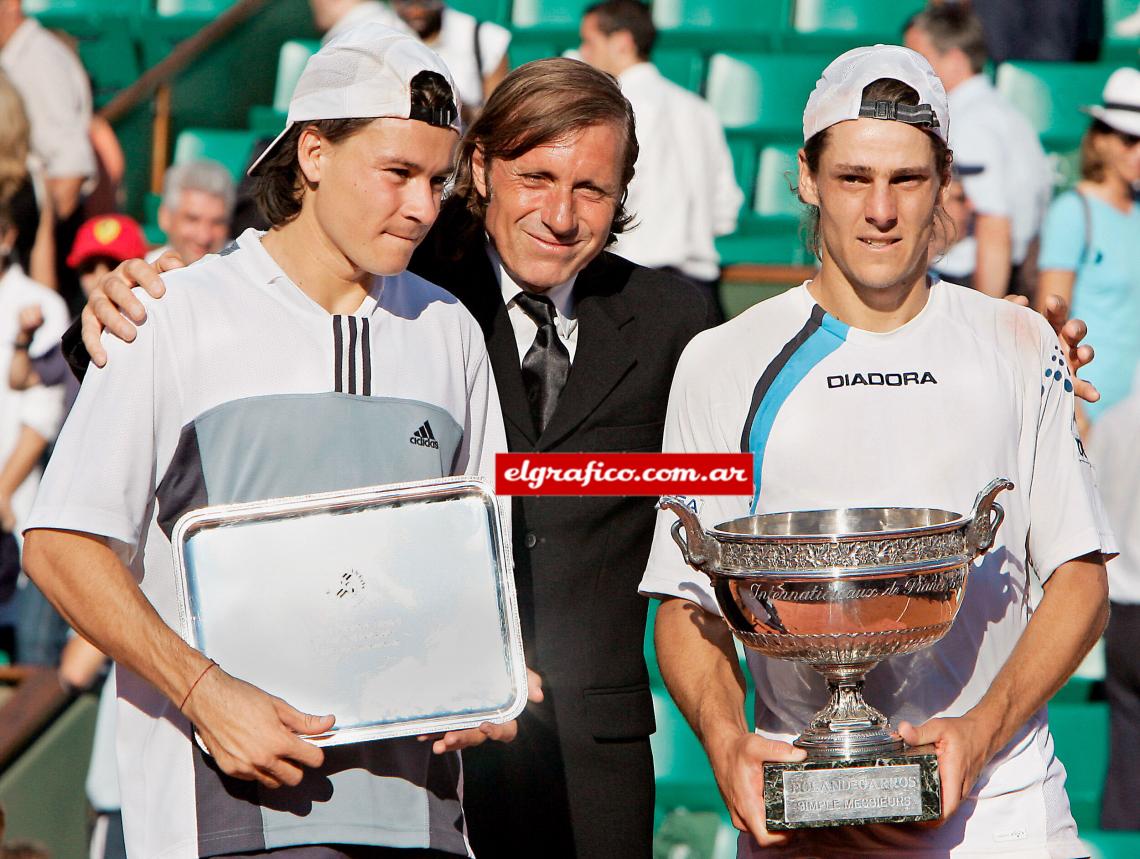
{"points": [[848, 725]]}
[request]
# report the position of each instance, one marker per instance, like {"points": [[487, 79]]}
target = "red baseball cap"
{"points": [[116, 237]]}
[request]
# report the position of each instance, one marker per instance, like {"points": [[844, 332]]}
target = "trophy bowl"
{"points": [[841, 590]]}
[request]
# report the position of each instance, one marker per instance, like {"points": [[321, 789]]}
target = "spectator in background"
{"points": [[23, 189], [57, 96], [1116, 456], [197, 204], [333, 17], [103, 242], [1090, 247], [474, 50], [29, 420], [683, 194], [1010, 179]]}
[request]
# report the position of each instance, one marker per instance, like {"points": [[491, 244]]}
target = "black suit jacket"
{"points": [[579, 779]]}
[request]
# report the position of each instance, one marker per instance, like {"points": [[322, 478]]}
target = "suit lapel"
{"points": [[484, 299], [601, 358]]}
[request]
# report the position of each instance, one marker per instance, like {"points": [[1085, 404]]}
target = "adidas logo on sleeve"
{"points": [[424, 437]]}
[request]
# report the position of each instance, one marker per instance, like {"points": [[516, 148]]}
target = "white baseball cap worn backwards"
{"points": [[838, 94], [366, 73]]}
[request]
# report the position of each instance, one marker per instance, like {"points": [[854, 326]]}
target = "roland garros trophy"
{"points": [[842, 590]]}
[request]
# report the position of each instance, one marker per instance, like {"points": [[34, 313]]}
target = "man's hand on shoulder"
{"points": [[1070, 332], [112, 306], [251, 734]]}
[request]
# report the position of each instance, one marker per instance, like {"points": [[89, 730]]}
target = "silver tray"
{"points": [[391, 607]]}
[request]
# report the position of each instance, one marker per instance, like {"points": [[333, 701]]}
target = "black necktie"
{"points": [[546, 364]]}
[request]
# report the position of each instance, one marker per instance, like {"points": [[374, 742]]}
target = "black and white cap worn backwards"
{"points": [[838, 94], [1121, 108], [366, 73]]}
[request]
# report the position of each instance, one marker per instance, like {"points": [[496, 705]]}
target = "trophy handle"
{"points": [[697, 550], [987, 517]]}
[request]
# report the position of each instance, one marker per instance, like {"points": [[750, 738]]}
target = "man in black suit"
{"points": [[541, 177], [538, 195]]}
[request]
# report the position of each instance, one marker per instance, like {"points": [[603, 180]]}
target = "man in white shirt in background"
{"points": [[197, 206], [1008, 179], [683, 194], [475, 51], [57, 96]]}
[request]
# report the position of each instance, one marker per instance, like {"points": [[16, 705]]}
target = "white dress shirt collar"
{"points": [[562, 295]]}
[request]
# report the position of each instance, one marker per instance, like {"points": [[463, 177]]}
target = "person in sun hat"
{"points": [[277, 357], [874, 385], [1089, 253]]}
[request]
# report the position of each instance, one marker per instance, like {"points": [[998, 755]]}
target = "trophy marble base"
{"points": [[892, 788]]}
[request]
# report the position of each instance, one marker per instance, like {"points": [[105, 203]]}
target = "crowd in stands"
{"points": [[1010, 230]]}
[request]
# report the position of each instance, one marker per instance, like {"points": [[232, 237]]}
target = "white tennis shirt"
{"points": [[971, 389], [240, 387]]}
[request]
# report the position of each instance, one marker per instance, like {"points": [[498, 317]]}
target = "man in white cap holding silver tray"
{"points": [[298, 361]]}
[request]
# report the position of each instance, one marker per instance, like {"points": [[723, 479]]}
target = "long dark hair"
{"points": [[279, 184]]}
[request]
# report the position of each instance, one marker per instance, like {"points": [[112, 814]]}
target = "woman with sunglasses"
{"points": [[1090, 244]]}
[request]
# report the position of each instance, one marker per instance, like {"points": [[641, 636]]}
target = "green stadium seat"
{"points": [[1111, 845], [763, 93], [202, 9], [291, 62], [526, 47], [103, 32], [683, 66], [854, 16], [1049, 94], [1080, 735], [548, 14], [833, 26], [1114, 12], [776, 176], [498, 11], [721, 16], [228, 147], [86, 8]]}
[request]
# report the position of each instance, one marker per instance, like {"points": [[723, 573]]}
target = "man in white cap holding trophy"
{"points": [[872, 385]]}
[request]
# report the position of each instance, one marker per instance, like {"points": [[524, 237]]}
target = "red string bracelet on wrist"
{"points": [[194, 685]]}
